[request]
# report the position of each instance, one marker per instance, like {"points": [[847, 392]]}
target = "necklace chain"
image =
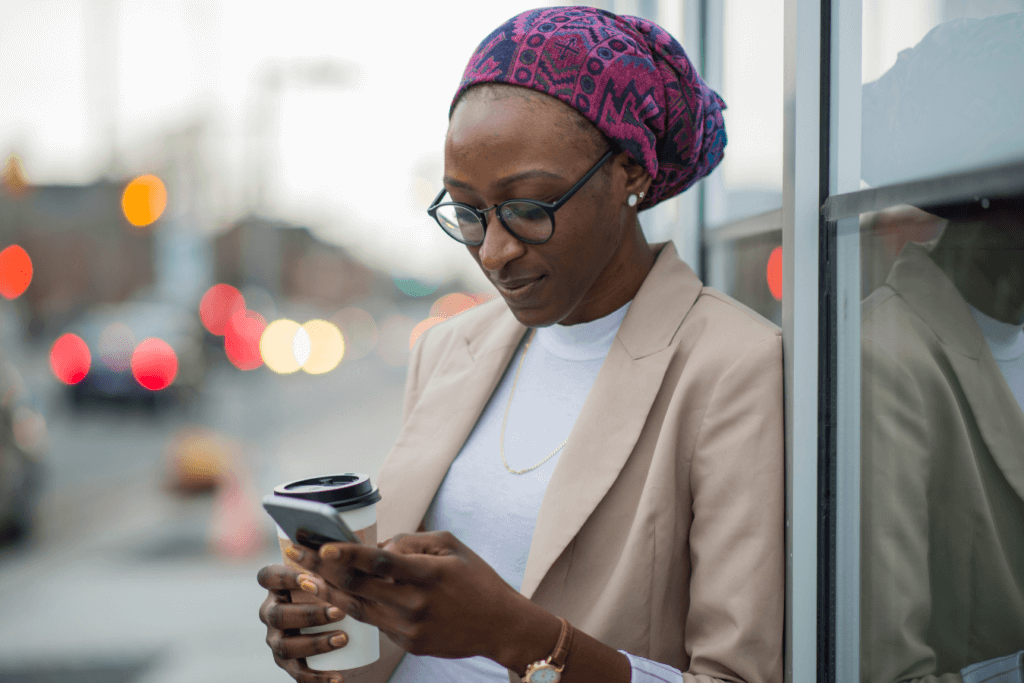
{"points": [[508, 408]]}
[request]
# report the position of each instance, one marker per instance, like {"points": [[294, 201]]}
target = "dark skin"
{"points": [[428, 592]]}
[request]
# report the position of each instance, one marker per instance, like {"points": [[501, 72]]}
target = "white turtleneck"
{"points": [[493, 511], [1006, 342]]}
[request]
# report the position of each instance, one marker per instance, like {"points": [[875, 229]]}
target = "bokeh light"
{"points": [[774, 273], [15, 271], [242, 337], [217, 306], [359, 330], [70, 358], [116, 344], [301, 346], [276, 346], [393, 345], [154, 364], [452, 304], [414, 287], [326, 347], [422, 327], [144, 200]]}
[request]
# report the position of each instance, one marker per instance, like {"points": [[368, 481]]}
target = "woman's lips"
{"points": [[519, 291]]}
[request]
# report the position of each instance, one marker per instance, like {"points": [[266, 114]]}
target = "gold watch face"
{"points": [[544, 674]]}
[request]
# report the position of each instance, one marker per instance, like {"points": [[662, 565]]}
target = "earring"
{"points": [[631, 200], [641, 195]]}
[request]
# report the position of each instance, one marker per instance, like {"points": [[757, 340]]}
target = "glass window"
{"points": [[743, 62], [750, 270], [943, 87], [938, 374], [942, 428]]}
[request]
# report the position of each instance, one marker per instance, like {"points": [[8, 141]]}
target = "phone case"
{"points": [[307, 522]]}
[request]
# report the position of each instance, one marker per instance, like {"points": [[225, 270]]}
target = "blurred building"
{"points": [[83, 250], [289, 262]]}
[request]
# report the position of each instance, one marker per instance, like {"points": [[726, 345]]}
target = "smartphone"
{"points": [[307, 522]]}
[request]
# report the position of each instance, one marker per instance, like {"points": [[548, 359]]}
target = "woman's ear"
{"points": [[637, 178]]}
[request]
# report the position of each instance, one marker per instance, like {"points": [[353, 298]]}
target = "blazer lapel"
{"points": [[614, 413], [440, 422], [935, 299]]}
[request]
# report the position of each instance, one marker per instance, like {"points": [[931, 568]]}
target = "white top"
{"points": [[493, 511], [1006, 342]]}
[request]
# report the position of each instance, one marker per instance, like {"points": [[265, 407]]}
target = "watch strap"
{"points": [[562, 648]]}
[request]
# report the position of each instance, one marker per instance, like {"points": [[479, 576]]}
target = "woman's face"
{"points": [[524, 148]]}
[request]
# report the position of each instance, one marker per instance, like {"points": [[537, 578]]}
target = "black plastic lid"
{"points": [[343, 491]]}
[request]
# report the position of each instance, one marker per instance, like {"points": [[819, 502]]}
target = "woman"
{"points": [[594, 461]]}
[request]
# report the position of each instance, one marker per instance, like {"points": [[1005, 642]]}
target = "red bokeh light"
{"points": [[15, 271], [218, 305], [154, 364], [774, 273], [70, 359], [242, 339], [422, 327], [452, 304]]}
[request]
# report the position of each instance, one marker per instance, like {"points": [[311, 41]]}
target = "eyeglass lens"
{"points": [[524, 219]]}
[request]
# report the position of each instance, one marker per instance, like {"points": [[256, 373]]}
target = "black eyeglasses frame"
{"points": [[549, 208]]}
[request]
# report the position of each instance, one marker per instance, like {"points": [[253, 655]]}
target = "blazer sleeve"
{"points": [[734, 627], [896, 452]]}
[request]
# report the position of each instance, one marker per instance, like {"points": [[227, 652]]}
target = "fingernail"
{"points": [[330, 552], [293, 553], [306, 583], [339, 640], [335, 613]]}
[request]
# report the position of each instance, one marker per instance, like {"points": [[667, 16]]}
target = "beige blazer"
{"points": [[661, 530], [942, 484]]}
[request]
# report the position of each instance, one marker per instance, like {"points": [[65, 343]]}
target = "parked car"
{"points": [[23, 444], [113, 332]]}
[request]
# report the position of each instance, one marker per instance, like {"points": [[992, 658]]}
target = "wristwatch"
{"points": [[550, 670]]}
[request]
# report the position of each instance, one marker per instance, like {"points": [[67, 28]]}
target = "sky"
{"points": [[356, 157], [337, 110]]}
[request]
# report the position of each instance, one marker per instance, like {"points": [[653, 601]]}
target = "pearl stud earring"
{"points": [[631, 200]]}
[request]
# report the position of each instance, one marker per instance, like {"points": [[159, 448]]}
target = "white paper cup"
{"points": [[363, 639]]}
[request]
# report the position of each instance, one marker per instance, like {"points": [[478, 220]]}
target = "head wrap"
{"points": [[625, 74]]}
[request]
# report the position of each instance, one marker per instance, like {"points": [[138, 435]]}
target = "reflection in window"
{"points": [[750, 270], [950, 102], [942, 439], [942, 344]]}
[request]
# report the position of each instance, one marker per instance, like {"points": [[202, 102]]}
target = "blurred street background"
{"points": [[214, 260]]}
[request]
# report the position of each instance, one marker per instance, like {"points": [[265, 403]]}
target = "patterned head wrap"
{"points": [[625, 74]]}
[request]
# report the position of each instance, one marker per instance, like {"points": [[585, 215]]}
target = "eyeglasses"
{"points": [[528, 220]]}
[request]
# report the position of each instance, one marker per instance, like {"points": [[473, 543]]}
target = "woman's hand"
{"points": [[427, 592], [284, 619]]}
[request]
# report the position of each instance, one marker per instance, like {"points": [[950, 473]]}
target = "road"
{"points": [[120, 583]]}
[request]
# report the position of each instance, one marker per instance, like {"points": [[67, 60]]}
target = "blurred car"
{"points": [[113, 332], [23, 444]]}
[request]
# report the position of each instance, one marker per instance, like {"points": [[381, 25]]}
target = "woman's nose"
{"points": [[499, 245]]}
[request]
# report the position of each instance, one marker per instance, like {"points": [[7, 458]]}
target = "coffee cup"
{"points": [[355, 499]]}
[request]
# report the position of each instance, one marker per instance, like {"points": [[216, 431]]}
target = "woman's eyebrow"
{"points": [[506, 181]]}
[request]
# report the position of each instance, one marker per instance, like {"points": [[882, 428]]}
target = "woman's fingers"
{"points": [[297, 669], [302, 646], [345, 563], [286, 616], [278, 577]]}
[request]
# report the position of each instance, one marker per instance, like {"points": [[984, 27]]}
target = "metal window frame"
{"points": [[841, 338], [1002, 180], [801, 202]]}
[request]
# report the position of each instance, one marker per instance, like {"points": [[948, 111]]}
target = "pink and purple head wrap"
{"points": [[625, 74]]}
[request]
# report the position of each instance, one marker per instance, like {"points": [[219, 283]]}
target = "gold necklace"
{"points": [[501, 440]]}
